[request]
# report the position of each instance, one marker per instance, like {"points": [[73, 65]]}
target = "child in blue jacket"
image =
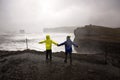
{"points": [[68, 48]]}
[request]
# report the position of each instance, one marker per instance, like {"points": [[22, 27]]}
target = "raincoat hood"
{"points": [[47, 37]]}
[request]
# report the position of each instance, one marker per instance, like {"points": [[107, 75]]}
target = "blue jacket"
{"points": [[68, 45]]}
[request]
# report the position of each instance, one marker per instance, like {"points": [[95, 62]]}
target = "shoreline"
{"points": [[112, 59], [31, 65]]}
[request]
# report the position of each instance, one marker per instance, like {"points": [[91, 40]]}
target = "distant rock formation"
{"points": [[22, 31], [94, 38], [60, 29]]}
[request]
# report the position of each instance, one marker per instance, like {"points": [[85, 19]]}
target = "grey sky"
{"points": [[32, 15]]}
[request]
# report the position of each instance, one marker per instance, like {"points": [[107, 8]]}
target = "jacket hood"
{"points": [[47, 37], [68, 38]]}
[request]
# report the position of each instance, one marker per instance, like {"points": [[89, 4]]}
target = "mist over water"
{"points": [[16, 42], [35, 15]]}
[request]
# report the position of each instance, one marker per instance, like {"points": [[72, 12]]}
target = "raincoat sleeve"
{"points": [[61, 44], [74, 44], [54, 43], [42, 42]]}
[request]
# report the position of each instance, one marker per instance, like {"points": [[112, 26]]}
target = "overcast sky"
{"points": [[32, 15]]}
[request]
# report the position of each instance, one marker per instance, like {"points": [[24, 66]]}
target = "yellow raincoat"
{"points": [[48, 42]]}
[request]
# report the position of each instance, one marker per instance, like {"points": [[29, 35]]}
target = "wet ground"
{"points": [[28, 66]]}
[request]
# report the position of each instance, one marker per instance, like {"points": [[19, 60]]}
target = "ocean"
{"points": [[14, 42]]}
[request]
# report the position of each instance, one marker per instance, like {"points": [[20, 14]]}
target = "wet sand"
{"points": [[31, 65]]}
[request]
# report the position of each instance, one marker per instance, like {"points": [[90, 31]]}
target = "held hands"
{"points": [[58, 45]]}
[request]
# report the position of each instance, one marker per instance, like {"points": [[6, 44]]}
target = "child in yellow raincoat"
{"points": [[48, 43]]}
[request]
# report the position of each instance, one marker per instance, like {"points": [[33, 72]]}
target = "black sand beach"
{"points": [[31, 65]]}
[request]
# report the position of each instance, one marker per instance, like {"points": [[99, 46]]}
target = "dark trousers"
{"points": [[70, 55], [49, 54]]}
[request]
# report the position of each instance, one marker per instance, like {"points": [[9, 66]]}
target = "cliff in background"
{"points": [[60, 29], [97, 39]]}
